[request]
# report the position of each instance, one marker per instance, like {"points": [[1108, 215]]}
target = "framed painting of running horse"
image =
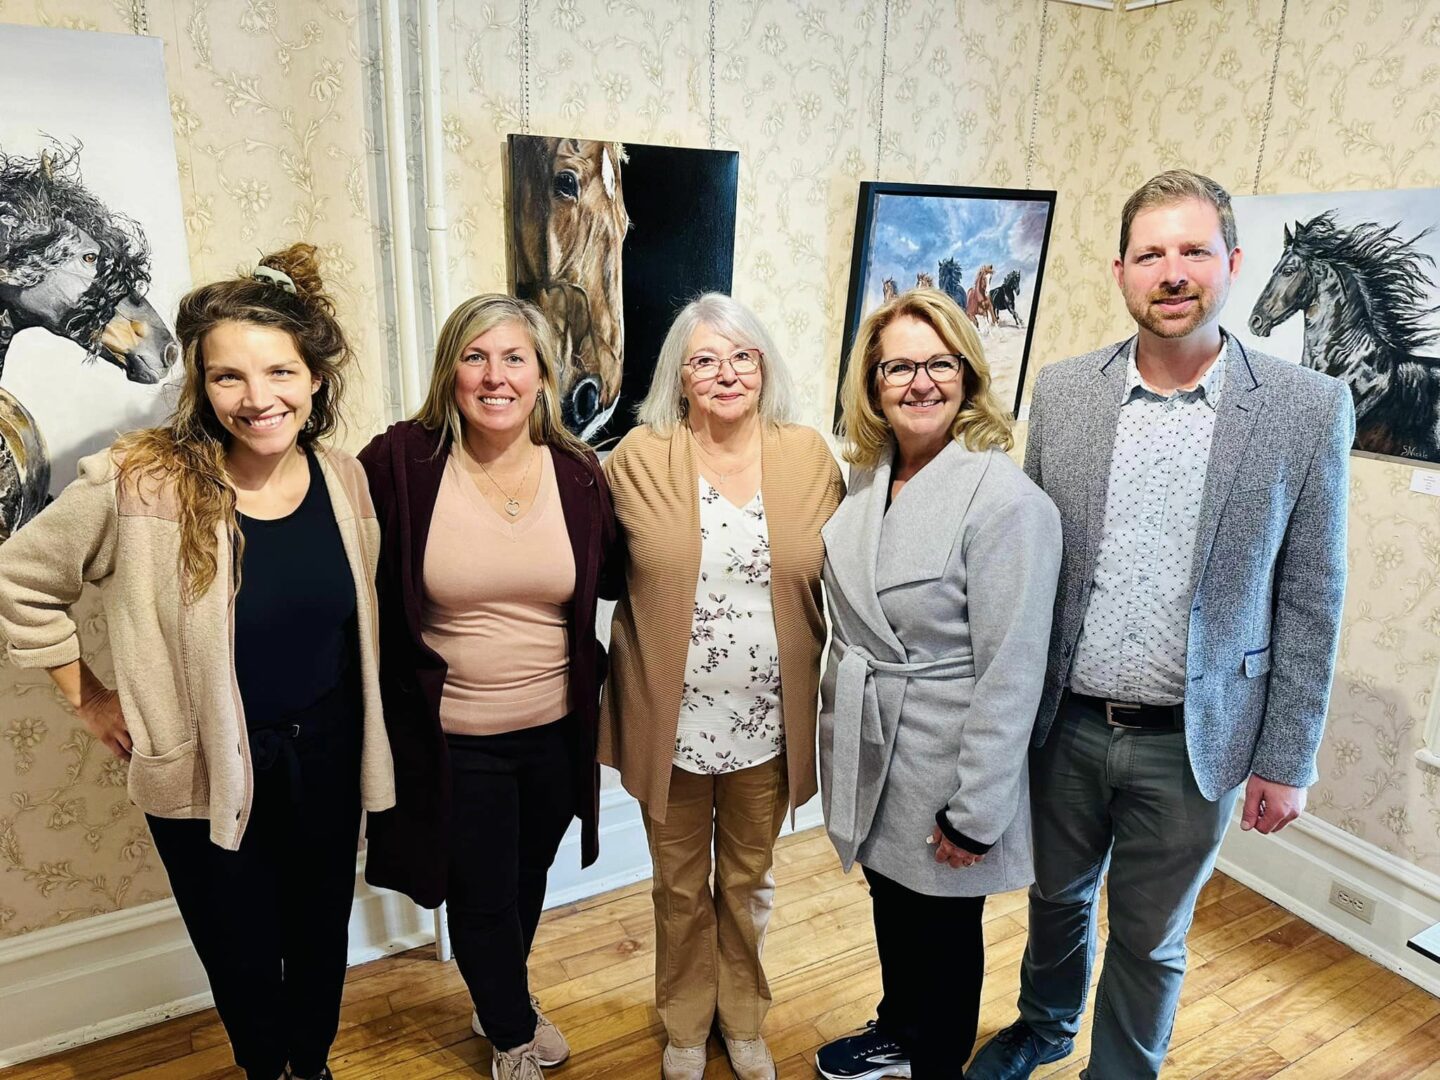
{"points": [[1347, 283], [610, 240], [92, 252], [984, 247]]}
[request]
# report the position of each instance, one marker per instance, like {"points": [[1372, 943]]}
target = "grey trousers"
{"points": [[1127, 800]]}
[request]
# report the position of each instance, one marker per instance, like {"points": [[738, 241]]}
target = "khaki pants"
{"points": [[708, 942]]}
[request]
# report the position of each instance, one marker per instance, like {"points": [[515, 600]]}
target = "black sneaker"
{"points": [[1014, 1053], [868, 1055]]}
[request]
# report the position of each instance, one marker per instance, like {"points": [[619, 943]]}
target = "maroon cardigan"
{"points": [[408, 846]]}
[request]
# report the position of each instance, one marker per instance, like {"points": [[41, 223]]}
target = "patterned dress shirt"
{"points": [[1133, 642]]}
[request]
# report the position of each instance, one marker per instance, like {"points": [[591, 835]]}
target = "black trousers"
{"points": [[513, 798], [271, 920], [932, 965]]}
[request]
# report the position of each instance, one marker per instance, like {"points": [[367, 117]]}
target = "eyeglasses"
{"points": [[706, 366], [901, 372]]}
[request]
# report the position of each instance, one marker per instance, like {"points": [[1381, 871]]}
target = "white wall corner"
{"points": [[1297, 866]]}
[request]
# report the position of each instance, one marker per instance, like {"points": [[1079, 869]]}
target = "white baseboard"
{"points": [[75, 984], [1295, 869]]}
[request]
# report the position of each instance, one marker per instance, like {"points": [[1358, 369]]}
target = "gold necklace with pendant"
{"points": [[512, 504]]}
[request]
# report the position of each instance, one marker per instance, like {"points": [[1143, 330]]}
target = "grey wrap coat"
{"points": [[941, 613]]}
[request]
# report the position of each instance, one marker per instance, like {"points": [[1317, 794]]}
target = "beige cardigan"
{"points": [[174, 667], [655, 485]]}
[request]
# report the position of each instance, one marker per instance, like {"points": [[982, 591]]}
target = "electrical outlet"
{"points": [[1352, 901]]}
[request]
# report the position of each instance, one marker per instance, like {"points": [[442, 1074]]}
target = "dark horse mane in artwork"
{"points": [[71, 267], [1363, 293], [50, 226], [951, 277]]}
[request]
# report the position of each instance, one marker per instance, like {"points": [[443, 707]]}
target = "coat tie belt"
{"points": [[857, 720]]}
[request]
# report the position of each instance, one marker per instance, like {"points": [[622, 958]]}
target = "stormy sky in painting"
{"points": [[914, 233]]}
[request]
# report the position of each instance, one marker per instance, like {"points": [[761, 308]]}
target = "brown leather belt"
{"points": [[1133, 715]]}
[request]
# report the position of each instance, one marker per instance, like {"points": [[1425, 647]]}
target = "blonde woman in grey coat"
{"points": [[940, 571]]}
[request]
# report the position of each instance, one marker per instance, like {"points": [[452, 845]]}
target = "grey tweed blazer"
{"points": [[1269, 564]]}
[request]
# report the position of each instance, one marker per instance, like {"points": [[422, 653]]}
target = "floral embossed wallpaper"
{"points": [[274, 107]]}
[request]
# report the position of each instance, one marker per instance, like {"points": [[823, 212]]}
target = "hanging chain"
{"points": [[1035, 93], [1270, 96], [139, 17], [525, 67], [884, 70], [713, 5]]}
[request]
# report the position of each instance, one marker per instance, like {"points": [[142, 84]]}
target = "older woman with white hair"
{"points": [[710, 710]]}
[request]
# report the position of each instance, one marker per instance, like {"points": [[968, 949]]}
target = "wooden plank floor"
{"points": [[1267, 996]]}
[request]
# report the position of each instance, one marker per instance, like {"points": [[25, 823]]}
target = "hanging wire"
{"points": [[139, 17], [713, 5], [1035, 93], [525, 67], [1270, 96], [884, 70]]}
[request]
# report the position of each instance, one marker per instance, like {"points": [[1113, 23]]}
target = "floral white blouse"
{"points": [[730, 710]]}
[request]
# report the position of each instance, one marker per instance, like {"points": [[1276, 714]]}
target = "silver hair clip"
{"points": [[275, 277]]}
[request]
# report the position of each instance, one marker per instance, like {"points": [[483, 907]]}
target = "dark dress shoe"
{"points": [[1016, 1052]]}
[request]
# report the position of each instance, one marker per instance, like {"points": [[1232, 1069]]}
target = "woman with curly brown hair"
{"points": [[236, 556]]}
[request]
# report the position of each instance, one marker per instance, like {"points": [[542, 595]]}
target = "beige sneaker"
{"points": [[683, 1062], [517, 1064], [550, 1046], [750, 1059]]}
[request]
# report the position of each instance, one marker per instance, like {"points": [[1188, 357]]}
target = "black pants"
{"points": [[271, 920], [932, 965], [513, 798]]}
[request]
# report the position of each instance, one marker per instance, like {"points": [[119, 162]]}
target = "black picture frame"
{"points": [[867, 274]]}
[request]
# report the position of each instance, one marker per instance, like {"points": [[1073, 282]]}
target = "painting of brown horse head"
{"points": [[568, 226]]}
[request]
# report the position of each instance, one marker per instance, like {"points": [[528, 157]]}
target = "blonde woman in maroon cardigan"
{"points": [[710, 711], [496, 533]]}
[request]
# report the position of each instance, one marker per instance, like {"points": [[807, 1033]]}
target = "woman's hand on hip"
{"points": [[96, 704], [101, 714], [946, 852]]}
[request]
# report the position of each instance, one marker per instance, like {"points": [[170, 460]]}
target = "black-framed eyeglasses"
{"points": [[902, 371], [705, 366]]}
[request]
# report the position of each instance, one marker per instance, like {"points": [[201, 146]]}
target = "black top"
{"points": [[296, 632]]}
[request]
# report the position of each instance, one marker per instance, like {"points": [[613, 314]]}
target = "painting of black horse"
{"points": [[1367, 290], [92, 252], [1003, 298], [76, 269]]}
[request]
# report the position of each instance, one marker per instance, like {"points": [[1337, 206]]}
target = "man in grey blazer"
{"points": [[1201, 489]]}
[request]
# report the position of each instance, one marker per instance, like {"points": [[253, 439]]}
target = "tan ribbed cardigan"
{"points": [[654, 482], [174, 663]]}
